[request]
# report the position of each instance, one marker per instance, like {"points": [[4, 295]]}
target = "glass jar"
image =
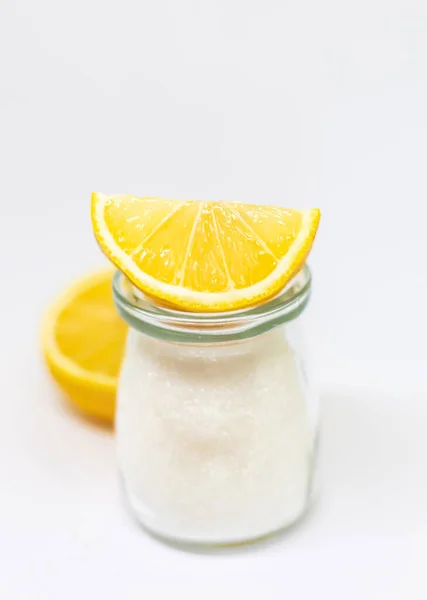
{"points": [[216, 419]]}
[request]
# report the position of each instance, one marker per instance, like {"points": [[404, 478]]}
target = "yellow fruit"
{"points": [[204, 256], [83, 340]]}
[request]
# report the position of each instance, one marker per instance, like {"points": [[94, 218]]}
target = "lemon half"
{"points": [[83, 341]]}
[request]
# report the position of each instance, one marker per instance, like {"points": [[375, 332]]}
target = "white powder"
{"points": [[215, 442]]}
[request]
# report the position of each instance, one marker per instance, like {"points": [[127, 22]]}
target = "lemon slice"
{"points": [[203, 256], [83, 340]]}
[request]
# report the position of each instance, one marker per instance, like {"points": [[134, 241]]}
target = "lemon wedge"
{"points": [[203, 256]]}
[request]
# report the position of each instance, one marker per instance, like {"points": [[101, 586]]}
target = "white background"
{"points": [[298, 103]]}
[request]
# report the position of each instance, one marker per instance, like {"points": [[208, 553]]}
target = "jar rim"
{"points": [[142, 313]]}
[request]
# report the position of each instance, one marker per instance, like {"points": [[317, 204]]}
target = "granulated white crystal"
{"points": [[215, 442]]}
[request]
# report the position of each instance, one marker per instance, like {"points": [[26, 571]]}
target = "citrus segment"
{"points": [[204, 256]]}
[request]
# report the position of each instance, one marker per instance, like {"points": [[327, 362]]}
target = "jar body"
{"points": [[217, 442]]}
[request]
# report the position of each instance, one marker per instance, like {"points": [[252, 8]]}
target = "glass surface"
{"points": [[216, 418], [147, 316]]}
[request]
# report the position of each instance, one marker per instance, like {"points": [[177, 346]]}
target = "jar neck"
{"points": [[156, 348], [143, 314]]}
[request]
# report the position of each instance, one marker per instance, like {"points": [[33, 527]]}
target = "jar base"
{"points": [[141, 515]]}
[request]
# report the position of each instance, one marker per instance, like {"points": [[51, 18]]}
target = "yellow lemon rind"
{"points": [[191, 300]]}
